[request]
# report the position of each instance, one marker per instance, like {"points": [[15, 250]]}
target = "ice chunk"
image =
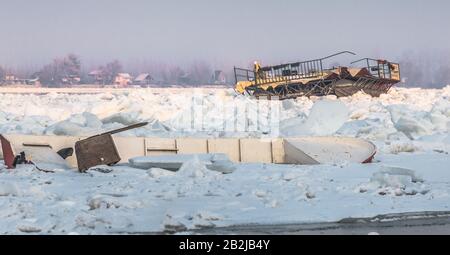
{"points": [[8, 188], [64, 128], [159, 172], [77, 125], [193, 168], [288, 104], [325, 118], [411, 126], [395, 181], [28, 228], [125, 118], [354, 127], [172, 225], [222, 166], [412, 123], [398, 147], [91, 120]]}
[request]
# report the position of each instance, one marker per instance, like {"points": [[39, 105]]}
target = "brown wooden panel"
{"points": [[96, 150]]}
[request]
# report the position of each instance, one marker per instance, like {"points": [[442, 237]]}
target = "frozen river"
{"points": [[410, 172]]}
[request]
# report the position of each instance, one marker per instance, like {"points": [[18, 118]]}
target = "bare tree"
{"points": [[442, 70], [411, 70], [174, 75], [60, 71], [110, 71], [200, 73], [427, 69], [72, 65]]}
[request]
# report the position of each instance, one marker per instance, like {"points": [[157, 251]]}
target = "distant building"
{"points": [[185, 79], [97, 76], [35, 80], [219, 77], [143, 79], [123, 79], [71, 80], [11, 79], [8, 79]]}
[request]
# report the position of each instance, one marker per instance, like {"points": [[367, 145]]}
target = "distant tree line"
{"points": [[68, 70], [425, 69], [429, 69]]}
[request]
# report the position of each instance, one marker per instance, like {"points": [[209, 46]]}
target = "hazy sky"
{"points": [[34, 32]]}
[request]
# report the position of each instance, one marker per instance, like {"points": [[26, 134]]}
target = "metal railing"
{"points": [[377, 68], [285, 72], [241, 74]]}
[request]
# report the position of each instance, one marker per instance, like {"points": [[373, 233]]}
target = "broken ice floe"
{"points": [[325, 118], [394, 181]]}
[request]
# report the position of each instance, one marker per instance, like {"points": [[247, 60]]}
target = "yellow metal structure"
{"points": [[310, 78]]}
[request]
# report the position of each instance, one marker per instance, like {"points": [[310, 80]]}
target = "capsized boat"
{"points": [[294, 150]]}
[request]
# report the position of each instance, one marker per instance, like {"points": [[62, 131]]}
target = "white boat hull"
{"points": [[301, 150]]}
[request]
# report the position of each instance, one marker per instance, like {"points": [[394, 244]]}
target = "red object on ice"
{"points": [[8, 154], [370, 159]]}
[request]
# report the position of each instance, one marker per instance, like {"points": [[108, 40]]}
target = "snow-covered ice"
{"points": [[129, 200], [410, 173]]}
